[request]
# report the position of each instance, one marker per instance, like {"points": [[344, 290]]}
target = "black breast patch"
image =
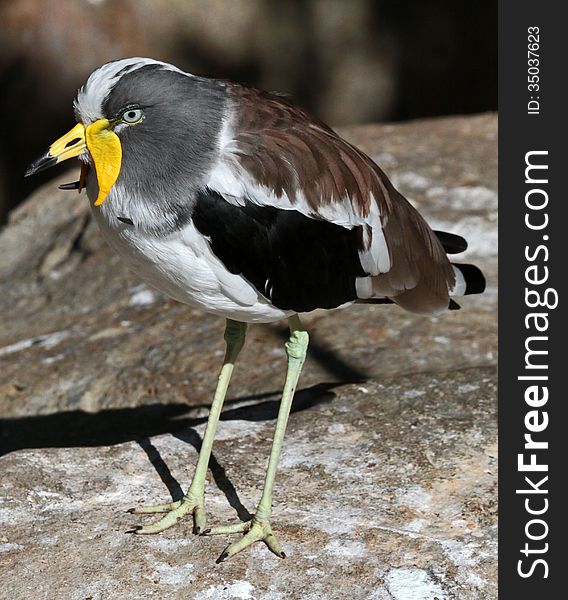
{"points": [[298, 263]]}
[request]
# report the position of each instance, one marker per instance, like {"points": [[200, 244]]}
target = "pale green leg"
{"points": [[193, 501], [259, 527]]}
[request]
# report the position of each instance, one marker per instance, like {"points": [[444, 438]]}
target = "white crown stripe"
{"points": [[91, 96]]}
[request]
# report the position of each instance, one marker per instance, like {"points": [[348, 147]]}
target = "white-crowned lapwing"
{"points": [[237, 201]]}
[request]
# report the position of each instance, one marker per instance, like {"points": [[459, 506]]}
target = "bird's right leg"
{"points": [[193, 501]]}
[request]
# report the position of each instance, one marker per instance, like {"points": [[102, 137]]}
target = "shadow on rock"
{"points": [[116, 426]]}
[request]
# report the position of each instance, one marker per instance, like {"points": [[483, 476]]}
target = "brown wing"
{"points": [[288, 151]]}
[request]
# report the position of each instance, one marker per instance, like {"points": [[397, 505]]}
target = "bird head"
{"points": [[144, 121]]}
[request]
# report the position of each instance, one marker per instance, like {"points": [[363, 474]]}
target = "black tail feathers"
{"points": [[452, 243], [473, 279]]}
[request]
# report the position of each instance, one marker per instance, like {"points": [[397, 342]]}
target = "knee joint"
{"points": [[297, 345]]}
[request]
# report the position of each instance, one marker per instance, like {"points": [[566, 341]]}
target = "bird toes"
{"points": [[174, 512], [257, 531]]}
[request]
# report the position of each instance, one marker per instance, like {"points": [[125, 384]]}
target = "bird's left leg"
{"points": [[258, 528], [193, 501]]}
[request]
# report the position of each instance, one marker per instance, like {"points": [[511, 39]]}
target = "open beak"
{"points": [[101, 142], [70, 145]]}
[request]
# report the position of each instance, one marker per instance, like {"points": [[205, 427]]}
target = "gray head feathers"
{"points": [[165, 157]]}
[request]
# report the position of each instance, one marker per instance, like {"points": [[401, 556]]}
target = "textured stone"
{"points": [[387, 484]]}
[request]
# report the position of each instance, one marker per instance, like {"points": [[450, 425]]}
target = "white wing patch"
{"points": [[236, 185], [376, 259], [460, 285]]}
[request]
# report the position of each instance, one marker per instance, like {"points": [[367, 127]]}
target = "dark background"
{"points": [[349, 61]]}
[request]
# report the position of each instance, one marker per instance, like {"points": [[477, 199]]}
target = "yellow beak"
{"points": [[101, 142]]}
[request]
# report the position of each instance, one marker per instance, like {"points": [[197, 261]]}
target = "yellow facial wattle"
{"points": [[106, 151]]}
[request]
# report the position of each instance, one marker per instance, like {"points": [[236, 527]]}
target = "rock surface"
{"points": [[387, 484]]}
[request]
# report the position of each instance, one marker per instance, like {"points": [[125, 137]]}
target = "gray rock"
{"points": [[387, 484]]}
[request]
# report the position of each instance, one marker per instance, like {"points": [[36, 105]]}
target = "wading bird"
{"points": [[238, 202]]}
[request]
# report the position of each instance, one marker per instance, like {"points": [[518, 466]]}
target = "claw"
{"points": [[134, 529]]}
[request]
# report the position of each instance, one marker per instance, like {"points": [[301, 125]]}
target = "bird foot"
{"points": [[254, 530], [174, 512]]}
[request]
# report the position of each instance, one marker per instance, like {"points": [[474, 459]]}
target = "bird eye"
{"points": [[132, 115]]}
